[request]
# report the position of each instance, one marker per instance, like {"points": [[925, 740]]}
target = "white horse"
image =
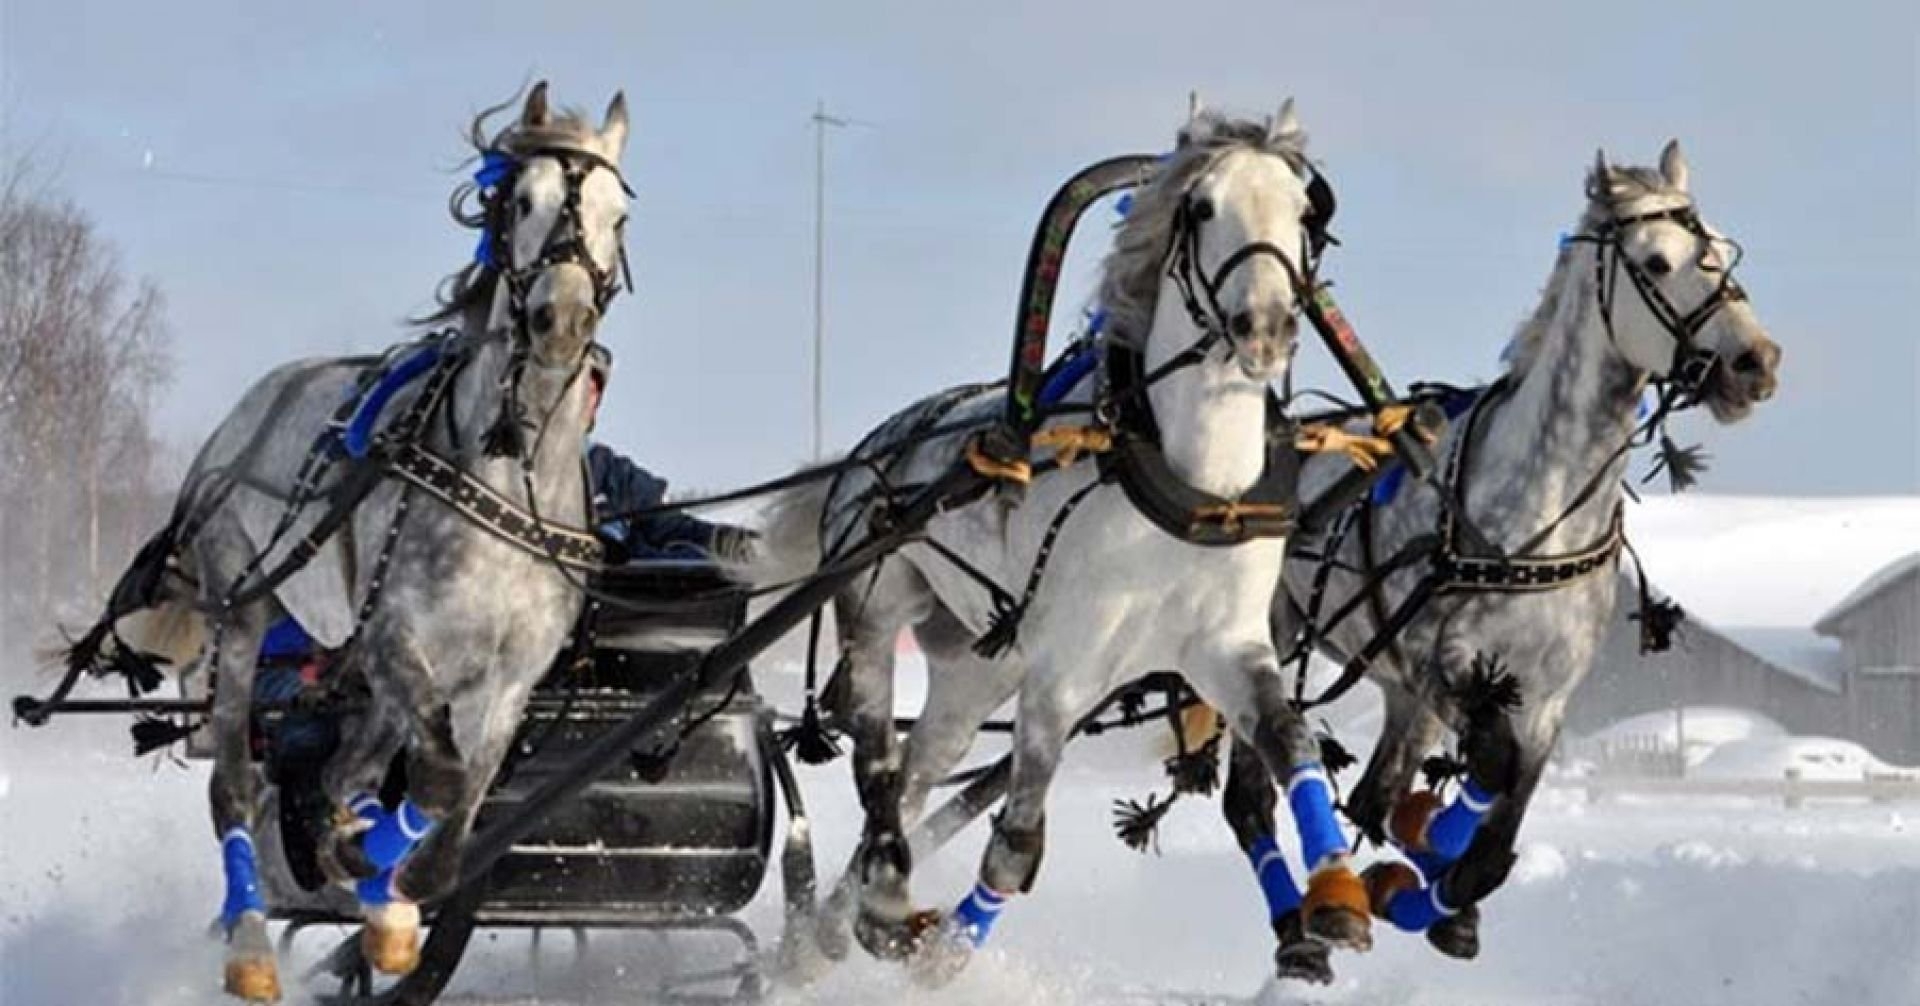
{"points": [[1642, 292], [1201, 292]]}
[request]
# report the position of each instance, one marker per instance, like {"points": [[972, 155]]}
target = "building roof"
{"points": [[1801, 653], [1880, 582]]}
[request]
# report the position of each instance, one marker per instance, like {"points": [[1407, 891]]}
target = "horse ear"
{"points": [[1199, 125], [1673, 164], [613, 127], [535, 114], [1285, 122], [1599, 181]]}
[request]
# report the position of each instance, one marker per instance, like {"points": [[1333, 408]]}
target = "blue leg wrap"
{"points": [[1452, 829], [1430, 864], [243, 878], [366, 807], [1276, 880], [376, 890], [979, 911], [395, 835], [1417, 909], [1310, 796]]}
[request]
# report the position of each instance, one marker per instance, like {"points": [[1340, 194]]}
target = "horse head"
{"points": [[1681, 317], [554, 209]]}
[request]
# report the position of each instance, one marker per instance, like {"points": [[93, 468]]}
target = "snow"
{"points": [[108, 878], [1769, 561], [1813, 758], [1706, 728], [1873, 585]]}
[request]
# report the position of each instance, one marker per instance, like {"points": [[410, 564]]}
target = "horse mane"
{"points": [[1130, 274], [1608, 196], [469, 288]]}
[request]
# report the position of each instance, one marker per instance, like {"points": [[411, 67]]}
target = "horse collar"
{"points": [[1139, 464]]}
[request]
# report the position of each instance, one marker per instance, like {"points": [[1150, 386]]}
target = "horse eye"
{"points": [[1203, 210], [1658, 265]]}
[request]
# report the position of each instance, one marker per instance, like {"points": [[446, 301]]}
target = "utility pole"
{"points": [[821, 120]]}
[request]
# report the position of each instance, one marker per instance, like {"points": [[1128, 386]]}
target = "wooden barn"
{"points": [[1854, 673]]}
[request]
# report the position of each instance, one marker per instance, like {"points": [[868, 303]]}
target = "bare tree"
{"points": [[83, 352]]}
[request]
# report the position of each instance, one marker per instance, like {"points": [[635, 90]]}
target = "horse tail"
{"points": [[789, 545], [150, 620]]}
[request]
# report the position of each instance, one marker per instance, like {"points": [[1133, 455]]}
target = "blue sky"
{"points": [[293, 203]]}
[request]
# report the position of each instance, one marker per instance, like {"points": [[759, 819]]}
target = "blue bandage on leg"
{"points": [[376, 890], [1310, 796], [1417, 909], [1276, 880], [243, 878], [395, 835], [1430, 864], [1452, 829], [979, 911]]}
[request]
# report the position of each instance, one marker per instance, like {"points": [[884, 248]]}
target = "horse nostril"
{"points": [[543, 318], [1241, 323], [1748, 362]]}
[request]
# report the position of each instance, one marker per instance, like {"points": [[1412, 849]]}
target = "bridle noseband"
{"points": [[566, 241], [1692, 363]]}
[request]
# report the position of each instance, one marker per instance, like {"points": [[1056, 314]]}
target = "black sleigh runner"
{"points": [[641, 785]]}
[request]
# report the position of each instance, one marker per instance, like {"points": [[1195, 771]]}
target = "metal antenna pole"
{"points": [[821, 120]]}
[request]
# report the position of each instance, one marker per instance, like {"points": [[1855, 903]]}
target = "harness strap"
{"points": [[1005, 627]]}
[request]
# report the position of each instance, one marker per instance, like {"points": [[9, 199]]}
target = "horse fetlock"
{"points": [[1411, 817], [1013, 856], [941, 955], [390, 937], [1336, 908], [1384, 880], [250, 973]]}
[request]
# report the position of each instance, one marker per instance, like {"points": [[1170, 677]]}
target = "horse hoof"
{"points": [[390, 939], [1298, 958], [1384, 880], [253, 979], [1411, 816], [1336, 908], [833, 935], [940, 955], [1458, 935], [893, 939]]}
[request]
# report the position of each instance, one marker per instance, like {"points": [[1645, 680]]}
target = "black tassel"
{"points": [[84, 653], [1489, 689], [1003, 629], [1138, 824], [1133, 702], [1334, 756], [810, 740], [153, 733], [1659, 620], [1440, 770], [141, 671], [507, 437], [1683, 465], [1196, 772]]}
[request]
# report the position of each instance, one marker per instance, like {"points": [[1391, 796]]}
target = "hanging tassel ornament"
{"points": [[507, 437], [154, 733], [1138, 824], [1659, 619], [810, 740], [1683, 465]]}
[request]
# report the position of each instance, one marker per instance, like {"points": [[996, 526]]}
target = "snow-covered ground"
{"points": [[108, 878]]}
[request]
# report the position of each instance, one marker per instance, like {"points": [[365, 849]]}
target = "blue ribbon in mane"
{"points": [[495, 168]]}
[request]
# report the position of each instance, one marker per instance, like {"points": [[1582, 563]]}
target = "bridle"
{"points": [[1200, 290], [565, 241], [1692, 363]]}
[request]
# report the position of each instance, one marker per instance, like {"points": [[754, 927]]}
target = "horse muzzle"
{"points": [[1739, 382]]}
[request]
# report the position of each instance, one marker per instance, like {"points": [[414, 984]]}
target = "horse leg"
{"points": [[1489, 857], [1047, 712], [962, 691], [1244, 683], [1409, 732], [885, 923], [250, 970], [1248, 804], [351, 781]]}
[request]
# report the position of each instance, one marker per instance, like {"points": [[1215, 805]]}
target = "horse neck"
{"points": [[1212, 418], [554, 404], [1561, 427]]}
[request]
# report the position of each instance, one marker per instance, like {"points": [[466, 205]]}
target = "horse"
{"points": [[449, 621], [1534, 467], [1201, 294]]}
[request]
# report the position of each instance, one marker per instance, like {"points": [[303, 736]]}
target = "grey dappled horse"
{"points": [[450, 626], [1642, 292]]}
